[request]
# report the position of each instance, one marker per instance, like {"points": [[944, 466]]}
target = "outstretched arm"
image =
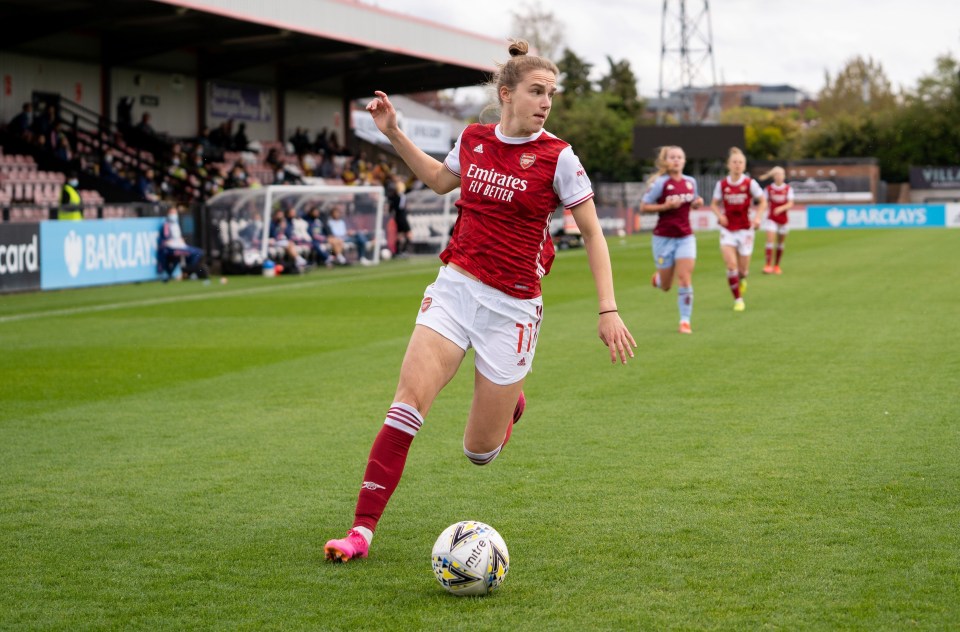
{"points": [[429, 170], [611, 329]]}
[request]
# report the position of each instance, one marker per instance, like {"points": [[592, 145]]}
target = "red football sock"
{"points": [[769, 253], [385, 465], [779, 253], [733, 278]]}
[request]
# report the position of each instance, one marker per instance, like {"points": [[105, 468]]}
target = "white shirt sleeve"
{"points": [[755, 190], [452, 161], [570, 181], [718, 192]]}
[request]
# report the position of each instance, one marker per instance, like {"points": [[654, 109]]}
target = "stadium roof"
{"points": [[337, 46]]}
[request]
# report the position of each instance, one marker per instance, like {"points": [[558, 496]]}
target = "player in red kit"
{"points": [[735, 194], [512, 176], [779, 196], [672, 194]]}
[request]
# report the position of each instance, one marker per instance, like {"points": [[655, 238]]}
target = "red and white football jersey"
{"points": [[736, 198], [777, 197], [509, 189]]}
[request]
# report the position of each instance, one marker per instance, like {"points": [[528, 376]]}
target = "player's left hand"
{"points": [[616, 336]]}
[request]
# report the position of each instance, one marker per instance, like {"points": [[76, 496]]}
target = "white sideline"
{"points": [[70, 311]]}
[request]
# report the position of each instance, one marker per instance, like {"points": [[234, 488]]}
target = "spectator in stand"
{"points": [[238, 177], [298, 231], [273, 159], [222, 137], [146, 187], [317, 228], [22, 124], [334, 145], [204, 146], [396, 191], [108, 169], [320, 145], [42, 125], [71, 204], [339, 235], [280, 241], [252, 233], [125, 113], [324, 168], [144, 126], [300, 141], [59, 144], [173, 247], [240, 140]]}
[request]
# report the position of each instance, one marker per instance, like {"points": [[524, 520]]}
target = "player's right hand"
{"points": [[383, 112]]}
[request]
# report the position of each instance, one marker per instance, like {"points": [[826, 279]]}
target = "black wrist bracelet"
{"points": [[609, 311]]}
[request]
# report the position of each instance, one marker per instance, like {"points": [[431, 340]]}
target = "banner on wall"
{"points": [[98, 252], [19, 257], [242, 103], [877, 216], [433, 137]]}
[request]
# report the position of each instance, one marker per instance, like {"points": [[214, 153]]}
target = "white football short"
{"points": [[742, 240], [771, 226], [501, 328]]}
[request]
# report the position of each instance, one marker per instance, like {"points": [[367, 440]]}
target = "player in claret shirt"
{"points": [[672, 194], [735, 194], [779, 200], [512, 177]]}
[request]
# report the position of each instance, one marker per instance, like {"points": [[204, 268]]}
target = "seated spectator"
{"points": [[339, 235], [109, 172], [172, 248], [144, 126], [146, 186], [317, 229], [238, 177], [22, 124], [42, 125], [252, 234], [59, 143], [279, 241]]}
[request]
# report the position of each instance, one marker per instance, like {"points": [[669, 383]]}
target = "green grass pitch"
{"points": [[174, 456]]}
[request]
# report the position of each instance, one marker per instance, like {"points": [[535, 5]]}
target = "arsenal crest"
{"points": [[426, 304], [527, 159]]}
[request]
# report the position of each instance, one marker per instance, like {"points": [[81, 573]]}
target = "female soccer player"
{"points": [[779, 200], [736, 192], [672, 195], [512, 176]]}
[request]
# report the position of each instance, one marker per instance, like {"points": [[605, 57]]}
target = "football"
{"points": [[386, 254], [470, 558]]}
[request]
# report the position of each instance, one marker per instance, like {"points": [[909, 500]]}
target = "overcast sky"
{"points": [[771, 42]]}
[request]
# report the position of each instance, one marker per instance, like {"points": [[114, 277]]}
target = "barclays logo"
{"points": [[835, 217], [876, 216], [73, 253]]}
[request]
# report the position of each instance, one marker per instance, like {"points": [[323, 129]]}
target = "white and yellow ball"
{"points": [[470, 558]]}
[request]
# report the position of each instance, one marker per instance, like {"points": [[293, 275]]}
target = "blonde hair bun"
{"points": [[518, 48]]}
